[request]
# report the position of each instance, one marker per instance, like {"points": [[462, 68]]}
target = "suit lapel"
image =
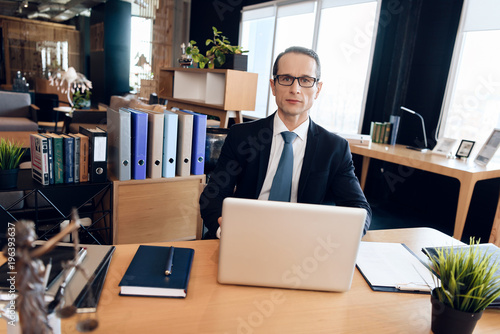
{"points": [[311, 146], [264, 156]]}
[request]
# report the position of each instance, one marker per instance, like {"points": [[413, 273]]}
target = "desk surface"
{"points": [[214, 308], [428, 161]]}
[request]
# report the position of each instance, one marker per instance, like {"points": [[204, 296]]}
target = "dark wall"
{"points": [[225, 15], [110, 69]]}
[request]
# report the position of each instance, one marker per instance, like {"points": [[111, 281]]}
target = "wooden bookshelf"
{"points": [[218, 92]]}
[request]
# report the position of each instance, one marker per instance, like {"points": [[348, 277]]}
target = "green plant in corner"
{"points": [[216, 55], [468, 279], [81, 100], [10, 154]]}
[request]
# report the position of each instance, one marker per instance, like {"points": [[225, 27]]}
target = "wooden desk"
{"points": [[467, 172], [211, 307]]}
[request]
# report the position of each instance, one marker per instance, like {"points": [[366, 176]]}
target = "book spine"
{"points": [[77, 159], [387, 133], [39, 159], [58, 161], [84, 159], [69, 160], [50, 154]]}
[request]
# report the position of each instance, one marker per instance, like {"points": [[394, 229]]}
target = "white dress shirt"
{"points": [[299, 148]]}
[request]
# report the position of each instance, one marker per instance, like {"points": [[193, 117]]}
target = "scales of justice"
{"points": [[36, 314]]}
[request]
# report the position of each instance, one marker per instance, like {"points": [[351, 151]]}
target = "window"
{"points": [[342, 33], [140, 50], [471, 109]]}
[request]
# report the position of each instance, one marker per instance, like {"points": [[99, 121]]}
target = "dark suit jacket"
{"points": [[327, 175]]}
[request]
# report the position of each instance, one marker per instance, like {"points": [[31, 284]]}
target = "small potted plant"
{"points": [[82, 100], [221, 55], [468, 284], [10, 157]]}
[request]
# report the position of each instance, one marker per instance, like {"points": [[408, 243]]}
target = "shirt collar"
{"points": [[301, 130]]}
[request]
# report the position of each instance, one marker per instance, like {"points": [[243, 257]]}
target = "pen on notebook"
{"points": [[170, 258]]}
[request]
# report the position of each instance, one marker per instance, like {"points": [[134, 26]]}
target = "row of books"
{"points": [[72, 158], [155, 143], [380, 132], [385, 132]]}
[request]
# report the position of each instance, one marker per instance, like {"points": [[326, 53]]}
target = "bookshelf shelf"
{"points": [[217, 92]]}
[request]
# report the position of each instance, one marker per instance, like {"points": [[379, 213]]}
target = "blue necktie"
{"points": [[282, 182]]}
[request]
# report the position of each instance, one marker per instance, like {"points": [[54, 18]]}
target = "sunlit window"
{"points": [[342, 33], [140, 51], [472, 104]]}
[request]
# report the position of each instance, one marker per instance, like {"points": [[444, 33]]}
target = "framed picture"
{"points": [[444, 146], [489, 148], [465, 148]]}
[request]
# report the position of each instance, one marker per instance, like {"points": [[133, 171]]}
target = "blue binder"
{"points": [[169, 144], [139, 127], [199, 143]]}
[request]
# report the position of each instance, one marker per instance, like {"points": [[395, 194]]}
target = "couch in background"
{"points": [[17, 113]]}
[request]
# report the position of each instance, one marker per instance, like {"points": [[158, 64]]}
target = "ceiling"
{"points": [[47, 10]]}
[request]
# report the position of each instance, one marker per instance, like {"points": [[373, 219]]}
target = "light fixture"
{"points": [[423, 129], [25, 3]]}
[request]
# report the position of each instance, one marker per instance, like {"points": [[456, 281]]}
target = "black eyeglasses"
{"points": [[287, 80]]}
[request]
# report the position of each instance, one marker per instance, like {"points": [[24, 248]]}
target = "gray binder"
{"points": [[119, 141], [184, 143]]}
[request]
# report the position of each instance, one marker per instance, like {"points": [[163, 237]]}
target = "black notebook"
{"points": [[488, 248], [145, 275]]}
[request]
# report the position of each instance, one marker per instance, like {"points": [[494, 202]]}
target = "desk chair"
{"points": [[47, 116]]}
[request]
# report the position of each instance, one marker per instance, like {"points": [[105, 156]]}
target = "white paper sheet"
{"points": [[393, 265]]}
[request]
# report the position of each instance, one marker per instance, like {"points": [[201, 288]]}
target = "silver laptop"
{"points": [[289, 245]]}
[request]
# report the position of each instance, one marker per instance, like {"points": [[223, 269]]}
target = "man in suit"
{"points": [[323, 171]]}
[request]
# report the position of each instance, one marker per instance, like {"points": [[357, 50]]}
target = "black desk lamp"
{"points": [[424, 149]]}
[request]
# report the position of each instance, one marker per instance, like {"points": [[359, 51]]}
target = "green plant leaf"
{"points": [[10, 154], [468, 280]]}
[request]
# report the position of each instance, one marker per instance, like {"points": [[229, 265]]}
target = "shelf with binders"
{"points": [[49, 206]]}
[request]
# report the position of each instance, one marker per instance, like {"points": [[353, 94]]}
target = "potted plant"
{"points": [[10, 157], [468, 284], [82, 100], [221, 55]]}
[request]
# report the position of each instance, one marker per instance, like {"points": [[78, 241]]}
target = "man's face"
{"points": [[295, 100]]}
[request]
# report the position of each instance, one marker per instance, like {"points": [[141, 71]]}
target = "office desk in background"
{"points": [[211, 307], [466, 172]]}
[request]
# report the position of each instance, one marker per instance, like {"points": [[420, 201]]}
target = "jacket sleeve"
{"points": [[220, 185], [346, 189]]}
